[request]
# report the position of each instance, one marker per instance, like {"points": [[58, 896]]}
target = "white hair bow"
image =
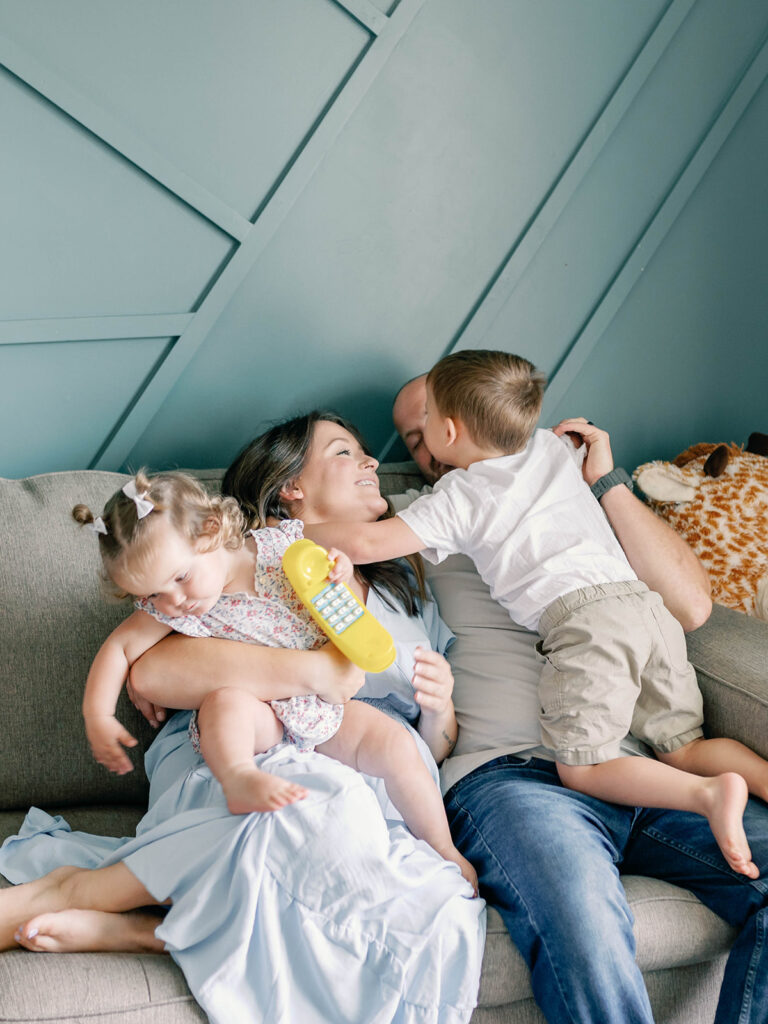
{"points": [[98, 526], [143, 505]]}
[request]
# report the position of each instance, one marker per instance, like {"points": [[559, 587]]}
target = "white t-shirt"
{"points": [[495, 668], [529, 523]]}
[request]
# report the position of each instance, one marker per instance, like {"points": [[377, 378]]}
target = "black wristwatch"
{"points": [[612, 479]]}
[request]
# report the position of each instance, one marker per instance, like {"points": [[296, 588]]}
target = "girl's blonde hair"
{"points": [[176, 497]]}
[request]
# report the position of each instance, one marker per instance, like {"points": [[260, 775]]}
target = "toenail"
{"points": [[32, 933]]}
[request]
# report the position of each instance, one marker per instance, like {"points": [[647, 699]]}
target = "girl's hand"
{"points": [[432, 682], [105, 735], [342, 570], [599, 460]]}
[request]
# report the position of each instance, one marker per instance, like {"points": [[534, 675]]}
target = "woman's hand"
{"points": [[153, 713], [432, 681], [599, 458]]}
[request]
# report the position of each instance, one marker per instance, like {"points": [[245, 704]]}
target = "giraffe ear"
{"points": [[664, 482]]}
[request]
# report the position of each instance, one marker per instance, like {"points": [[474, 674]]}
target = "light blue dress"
{"points": [[326, 912]]}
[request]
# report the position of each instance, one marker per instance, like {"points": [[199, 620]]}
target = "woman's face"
{"points": [[338, 481]]}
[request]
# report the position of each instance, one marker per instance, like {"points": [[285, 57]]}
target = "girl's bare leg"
{"points": [[371, 742], [235, 725], [113, 889], [644, 782], [86, 931]]}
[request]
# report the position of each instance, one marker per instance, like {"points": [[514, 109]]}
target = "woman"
{"points": [[262, 904]]}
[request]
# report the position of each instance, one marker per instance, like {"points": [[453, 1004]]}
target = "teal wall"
{"points": [[212, 215]]}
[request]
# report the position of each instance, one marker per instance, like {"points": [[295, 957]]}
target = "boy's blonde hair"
{"points": [[177, 497], [496, 395]]}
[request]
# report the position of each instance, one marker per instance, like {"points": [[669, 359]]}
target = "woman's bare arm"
{"points": [[659, 556], [191, 667]]}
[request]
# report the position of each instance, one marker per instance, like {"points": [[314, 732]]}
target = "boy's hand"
{"points": [[599, 458], [105, 735], [342, 570], [432, 681]]}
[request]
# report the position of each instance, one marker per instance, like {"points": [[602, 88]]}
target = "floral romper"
{"points": [[274, 617]]}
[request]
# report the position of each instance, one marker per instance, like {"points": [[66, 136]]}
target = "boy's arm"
{"points": [[659, 555], [367, 542], [108, 672]]}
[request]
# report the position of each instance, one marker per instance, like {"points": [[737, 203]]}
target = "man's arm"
{"points": [[659, 556], [367, 542]]}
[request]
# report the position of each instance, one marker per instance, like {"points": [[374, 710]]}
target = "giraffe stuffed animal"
{"points": [[716, 497]]}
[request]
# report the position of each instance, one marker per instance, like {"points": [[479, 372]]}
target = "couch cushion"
{"points": [[54, 619]]}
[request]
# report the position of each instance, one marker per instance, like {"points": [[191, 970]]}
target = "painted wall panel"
{"points": [[390, 246], [686, 358], [81, 230], [76, 393], [212, 86]]}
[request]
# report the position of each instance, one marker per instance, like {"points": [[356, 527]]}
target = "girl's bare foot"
{"points": [[248, 789], [725, 797], [84, 931], [21, 902]]}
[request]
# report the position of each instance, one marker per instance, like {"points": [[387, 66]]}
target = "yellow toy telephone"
{"points": [[342, 617]]}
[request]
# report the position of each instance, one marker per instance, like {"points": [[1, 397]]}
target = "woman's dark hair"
{"points": [[275, 458]]}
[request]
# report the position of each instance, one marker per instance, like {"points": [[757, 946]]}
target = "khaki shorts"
{"points": [[616, 664]]}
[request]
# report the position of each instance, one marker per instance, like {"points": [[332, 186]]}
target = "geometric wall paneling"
{"points": [[686, 182], [156, 69], [686, 357], [270, 218], [74, 394], [498, 291], [412, 209], [73, 216]]}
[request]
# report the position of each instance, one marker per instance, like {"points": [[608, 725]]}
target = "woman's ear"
{"points": [[291, 491]]}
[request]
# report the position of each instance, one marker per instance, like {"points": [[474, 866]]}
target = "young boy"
{"points": [[615, 657]]}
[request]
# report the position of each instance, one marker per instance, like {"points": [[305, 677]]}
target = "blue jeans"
{"points": [[548, 860]]}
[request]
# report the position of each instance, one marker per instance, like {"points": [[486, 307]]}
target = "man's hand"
{"points": [[599, 458], [346, 677], [107, 738]]}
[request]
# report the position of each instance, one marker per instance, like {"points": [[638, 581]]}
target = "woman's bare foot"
{"points": [[725, 797], [248, 789], [21, 902], [84, 931]]}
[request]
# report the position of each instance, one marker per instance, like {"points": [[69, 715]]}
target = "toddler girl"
{"points": [[183, 556]]}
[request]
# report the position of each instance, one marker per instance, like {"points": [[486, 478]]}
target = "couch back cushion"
{"points": [[53, 618]]}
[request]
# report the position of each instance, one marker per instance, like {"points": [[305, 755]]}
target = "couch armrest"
{"points": [[730, 655]]}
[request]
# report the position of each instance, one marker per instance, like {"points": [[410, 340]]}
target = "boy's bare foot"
{"points": [[725, 797], [21, 902], [248, 789], [85, 931]]}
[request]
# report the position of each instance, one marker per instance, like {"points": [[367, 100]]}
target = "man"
{"points": [[546, 856]]}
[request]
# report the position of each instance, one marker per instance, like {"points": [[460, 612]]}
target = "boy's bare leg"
{"points": [[371, 742], [235, 725], [113, 889], [644, 782], [91, 931], [713, 757]]}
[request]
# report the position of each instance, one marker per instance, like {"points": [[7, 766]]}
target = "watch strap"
{"points": [[614, 478]]}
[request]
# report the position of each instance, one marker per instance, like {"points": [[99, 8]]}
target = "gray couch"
{"points": [[53, 620]]}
